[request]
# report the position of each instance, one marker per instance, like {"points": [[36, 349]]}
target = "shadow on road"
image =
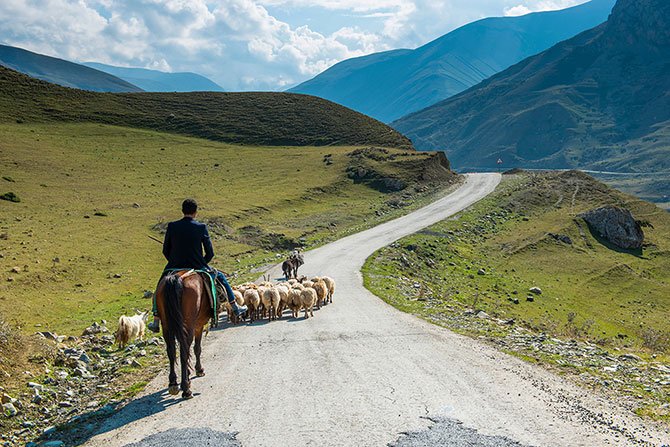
{"points": [[108, 418]]}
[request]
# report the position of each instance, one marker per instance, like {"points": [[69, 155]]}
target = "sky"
{"points": [[240, 44]]}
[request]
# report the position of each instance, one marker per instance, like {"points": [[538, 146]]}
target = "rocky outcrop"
{"points": [[615, 225]]}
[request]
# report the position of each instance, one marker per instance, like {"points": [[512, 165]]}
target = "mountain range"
{"points": [[62, 72], [392, 84], [98, 77], [600, 100], [159, 81]]}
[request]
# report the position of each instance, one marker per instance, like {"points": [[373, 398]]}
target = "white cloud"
{"points": [[237, 43], [540, 5]]}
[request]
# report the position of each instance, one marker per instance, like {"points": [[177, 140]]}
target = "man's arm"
{"points": [[207, 244], [167, 243]]}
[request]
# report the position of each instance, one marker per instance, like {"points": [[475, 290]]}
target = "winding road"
{"points": [[361, 373]]}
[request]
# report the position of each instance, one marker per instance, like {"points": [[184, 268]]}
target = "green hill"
{"points": [[597, 101], [62, 72], [248, 118]]}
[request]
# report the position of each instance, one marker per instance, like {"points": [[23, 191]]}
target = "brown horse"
{"points": [[184, 310]]}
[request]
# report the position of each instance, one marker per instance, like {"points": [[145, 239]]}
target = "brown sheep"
{"points": [[321, 291]]}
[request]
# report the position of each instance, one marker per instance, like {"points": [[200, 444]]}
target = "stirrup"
{"points": [[154, 326]]}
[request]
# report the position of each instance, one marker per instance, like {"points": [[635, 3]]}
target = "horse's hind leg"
{"points": [[184, 351], [170, 345], [199, 370]]}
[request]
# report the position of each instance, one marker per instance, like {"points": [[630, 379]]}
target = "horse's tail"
{"points": [[174, 289]]}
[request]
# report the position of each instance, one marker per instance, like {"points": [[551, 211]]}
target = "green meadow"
{"points": [[75, 248]]}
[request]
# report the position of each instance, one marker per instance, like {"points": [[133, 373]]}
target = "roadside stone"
{"points": [[616, 225], [535, 290], [483, 315], [9, 409]]}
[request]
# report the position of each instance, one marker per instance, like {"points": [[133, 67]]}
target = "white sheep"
{"points": [[130, 328], [253, 302], [308, 299], [330, 283], [284, 302], [270, 298]]}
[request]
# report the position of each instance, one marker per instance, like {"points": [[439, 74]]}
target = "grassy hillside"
{"points": [[90, 194], [488, 258], [597, 101], [62, 72], [248, 118]]}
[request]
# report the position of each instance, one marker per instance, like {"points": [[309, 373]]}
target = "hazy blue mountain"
{"points": [[600, 100], [392, 84], [159, 81], [62, 72]]}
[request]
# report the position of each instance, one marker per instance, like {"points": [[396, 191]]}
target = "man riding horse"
{"points": [[183, 249]]}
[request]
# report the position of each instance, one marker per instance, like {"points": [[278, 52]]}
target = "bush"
{"points": [[655, 340], [10, 197]]}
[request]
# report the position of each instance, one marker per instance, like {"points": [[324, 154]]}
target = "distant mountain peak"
{"points": [[637, 22], [392, 84]]}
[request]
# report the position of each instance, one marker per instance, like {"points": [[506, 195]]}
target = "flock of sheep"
{"points": [[269, 300], [264, 300]]}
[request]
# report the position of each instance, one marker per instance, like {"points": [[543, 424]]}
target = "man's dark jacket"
{"points": [[184, 243]]}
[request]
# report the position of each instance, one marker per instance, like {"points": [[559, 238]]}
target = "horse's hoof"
{"points": [[187, 395], [200, 373], [173, 390]]}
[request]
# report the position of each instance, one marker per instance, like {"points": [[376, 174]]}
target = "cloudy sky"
{"points": [[240, 44]]}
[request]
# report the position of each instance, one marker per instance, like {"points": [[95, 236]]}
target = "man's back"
{"points": [[184, 243]]}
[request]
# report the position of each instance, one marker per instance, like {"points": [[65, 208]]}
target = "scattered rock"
{"points": [[135, 364], [10, 197], [16, 270], [530, 298], [481, 272], [483, 315], [148, 294], [615, 225], [561, 238], [535, 290], [9, 409], [95, 328], [631, 357]]}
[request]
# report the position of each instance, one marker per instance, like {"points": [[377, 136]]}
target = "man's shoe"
{"points": [[154, 326], [237, 309]]}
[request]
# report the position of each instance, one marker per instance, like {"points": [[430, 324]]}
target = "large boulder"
{"points": [[615, 225]]}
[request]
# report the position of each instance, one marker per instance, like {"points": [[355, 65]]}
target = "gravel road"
{"points": [[361, 373]]}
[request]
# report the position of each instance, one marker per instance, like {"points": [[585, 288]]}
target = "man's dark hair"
{"points": [[189, 206]]}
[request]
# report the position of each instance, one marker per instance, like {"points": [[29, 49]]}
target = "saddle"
{"points": [[213, 290]]}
